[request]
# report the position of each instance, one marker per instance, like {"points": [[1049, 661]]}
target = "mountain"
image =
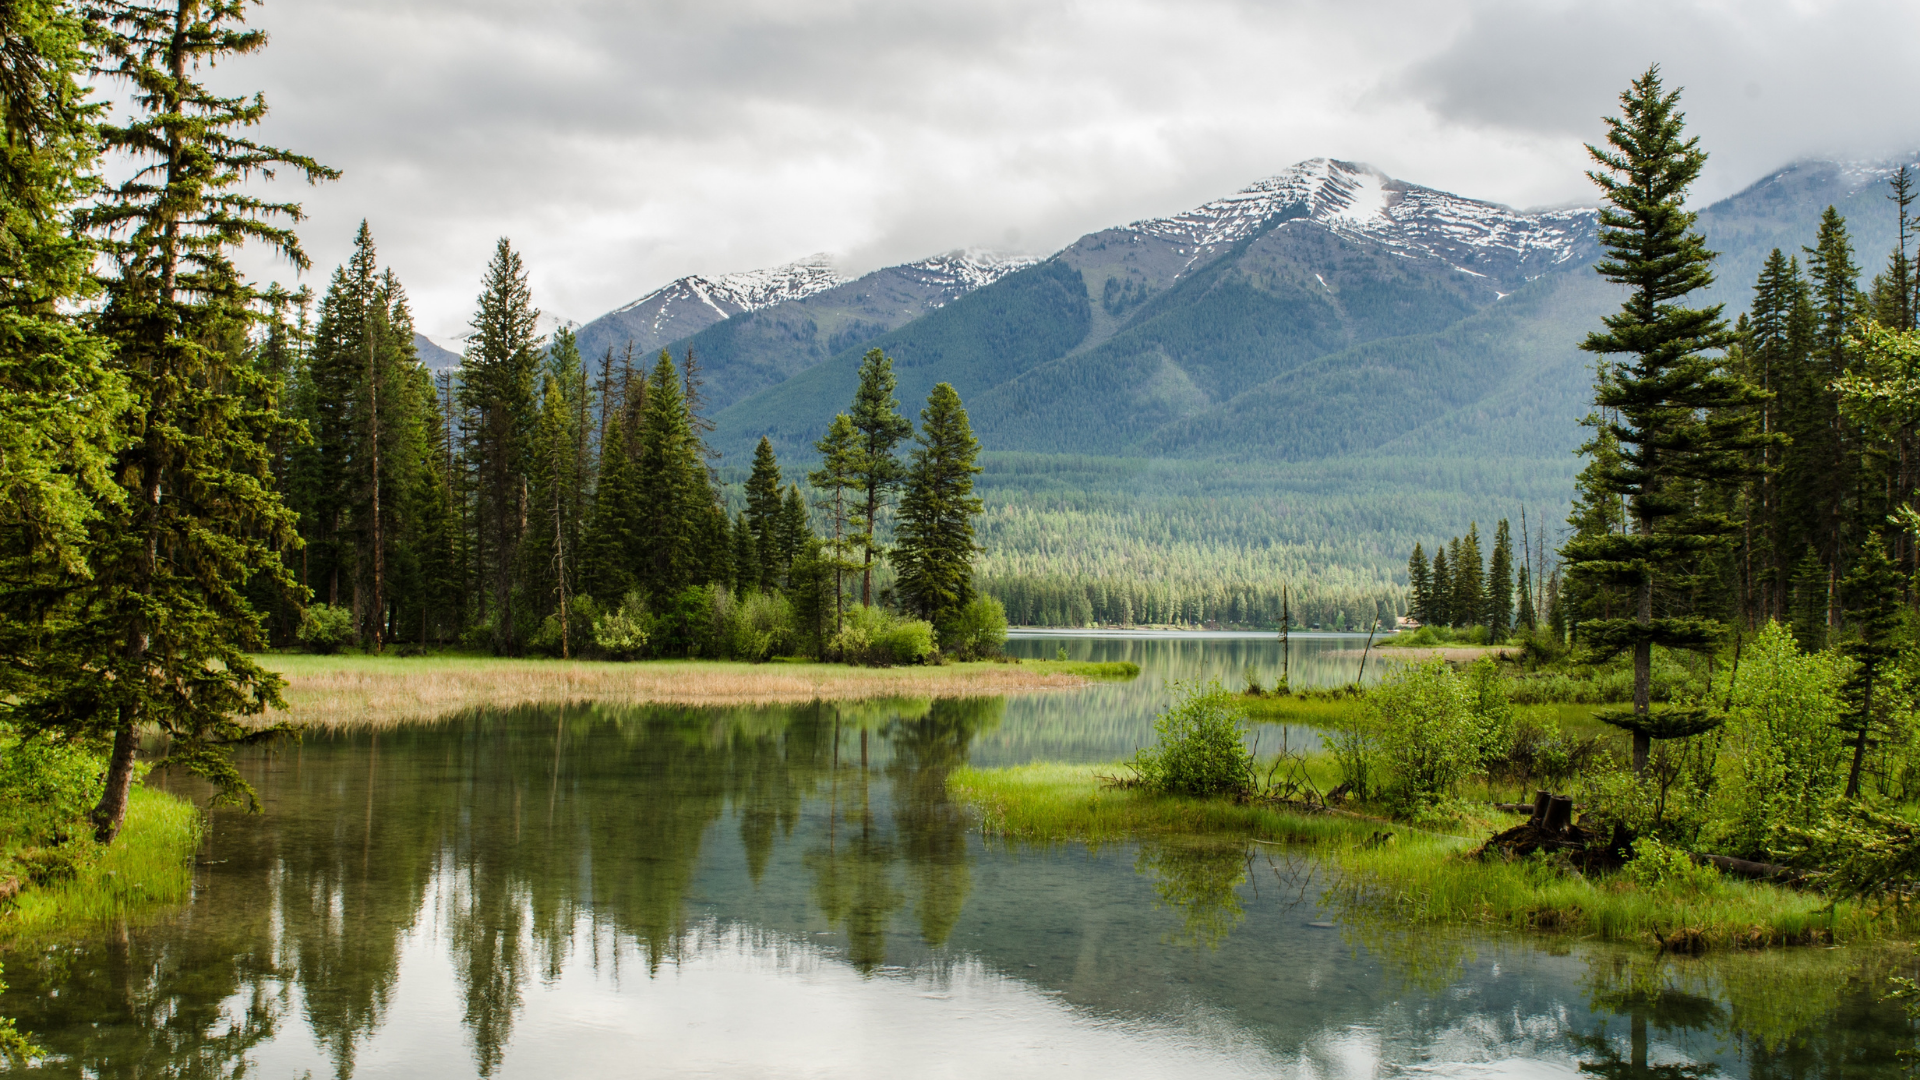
{"points": [[763, 345], [1128, 340], [690, 304], [434, 356]]}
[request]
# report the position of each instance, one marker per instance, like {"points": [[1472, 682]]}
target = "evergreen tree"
{"points": [[499, 385], [676, 499], [1808, 607], [610, 544], [1420, 586], [162, 628], [1833, 477], [1872, 593], [793, 532], [1500, 584], [746, 555], [935, 544], [1528, 618], [1440, 602], [880, 427], [838, 477], [1470, 579], [61, 398], [1663, 401], [763, 513], [1775, 354]]}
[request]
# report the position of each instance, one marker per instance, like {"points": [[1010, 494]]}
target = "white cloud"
{"points": [[623, 144]]}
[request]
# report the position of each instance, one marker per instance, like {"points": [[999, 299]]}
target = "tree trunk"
{"points": [[1860, 739], [111, 812]]}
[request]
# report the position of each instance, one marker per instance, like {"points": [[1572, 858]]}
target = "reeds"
{"points": [[334, 691]]}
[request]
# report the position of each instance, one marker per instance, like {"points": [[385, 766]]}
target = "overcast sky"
{"points": [[623, 143]]}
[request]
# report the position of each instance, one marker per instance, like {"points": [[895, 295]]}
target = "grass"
{"points": [[148, 866], [357, 689], [1417, 877]]}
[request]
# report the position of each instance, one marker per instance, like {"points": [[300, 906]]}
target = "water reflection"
{"points": [[776, 890]]}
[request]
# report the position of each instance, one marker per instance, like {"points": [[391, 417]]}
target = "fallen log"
{"points": [[1747, 868]]}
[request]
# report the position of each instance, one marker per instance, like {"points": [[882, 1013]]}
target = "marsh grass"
{"points": [[1418, 877], [358, 690], [148, 867]]}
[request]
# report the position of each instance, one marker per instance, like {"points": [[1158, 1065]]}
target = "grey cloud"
{"points": [[623, 144]]}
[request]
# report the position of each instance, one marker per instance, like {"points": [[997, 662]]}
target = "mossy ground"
{"points": [[1419, 876], [148, 866]]}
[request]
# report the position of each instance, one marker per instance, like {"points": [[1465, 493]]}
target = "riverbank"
{"points": [[355, 689], [1408, 876], [148, 866]]}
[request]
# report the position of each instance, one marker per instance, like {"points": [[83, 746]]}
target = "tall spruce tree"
{"points": [[675, 497], [1420, 586], [837, 479], [1470, 579], [1500, 583], [1440, 602], [610, 545], [499, 386], [1670, 408], [1872, 593], [763, 513], [1836, 493], [162, 627], [935, 546], [876, 418]]}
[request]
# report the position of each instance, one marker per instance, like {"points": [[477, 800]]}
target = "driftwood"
{"points": [[1747, 868]]}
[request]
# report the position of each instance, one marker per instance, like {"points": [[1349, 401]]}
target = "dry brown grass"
{"points": [[334, 691]]}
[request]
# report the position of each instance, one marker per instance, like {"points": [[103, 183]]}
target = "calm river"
{"points": [[557, 893]]}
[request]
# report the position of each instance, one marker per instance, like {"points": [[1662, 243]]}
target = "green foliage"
{"points": [[326, 629], [1657, 865], [1782, 741], [1201, 744], [874, 635], [46, 788], [978, 632], [623, 633], [762, 627], [1429, 735], [1858, 853], [934, 542]]}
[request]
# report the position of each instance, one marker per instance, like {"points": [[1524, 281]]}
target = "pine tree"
{"points": [[1420, 586], [793, 532], [1872, 592], [1440, 602], [610, 543], [746, 555], [1470, 579], [1662, 401], [163, 628], [499, 387], [1808, 608], [1528, 618], [675, 497], [1500, 584], [763, 513], [837, 477], [1775, 356], [935, 543], [1836, 475], [876, 418]]}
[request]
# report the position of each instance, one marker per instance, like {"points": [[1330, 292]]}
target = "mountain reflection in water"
{"points": [[593, 892]]}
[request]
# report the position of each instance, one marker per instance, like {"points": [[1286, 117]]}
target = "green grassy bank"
{"points": [[1419, 877], [148, 866]]}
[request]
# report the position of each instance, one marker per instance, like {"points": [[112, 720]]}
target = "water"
{"points": [[749, 892]]}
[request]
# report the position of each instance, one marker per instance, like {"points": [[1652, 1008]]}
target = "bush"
{"points": [[1662, 866], [325, 629], [1429, 734], [1355, 746], [762, 627], [1783, 739], [978, 632], [1202, 746], [874, 635], [45, 786], [622, 634]]}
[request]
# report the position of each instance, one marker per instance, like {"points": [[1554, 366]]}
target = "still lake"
{"points": [[587, 892]]}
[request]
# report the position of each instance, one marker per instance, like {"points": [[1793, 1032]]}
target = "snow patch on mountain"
{"points": [[1360, 200], [731, 294], [961, 272]]}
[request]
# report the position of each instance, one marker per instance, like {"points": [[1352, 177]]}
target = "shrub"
{"points": [[324, 629], [622, 634], [1783, 740], [46, 785], [1663, 866], [1355, 745], [1429, 734], [979, 631], [1202, 746], [874, 635], [762, 627]]}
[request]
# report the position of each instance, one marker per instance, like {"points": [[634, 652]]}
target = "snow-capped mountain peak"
{"points": [[747, 290], [1360, 200], [968, 269]]}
